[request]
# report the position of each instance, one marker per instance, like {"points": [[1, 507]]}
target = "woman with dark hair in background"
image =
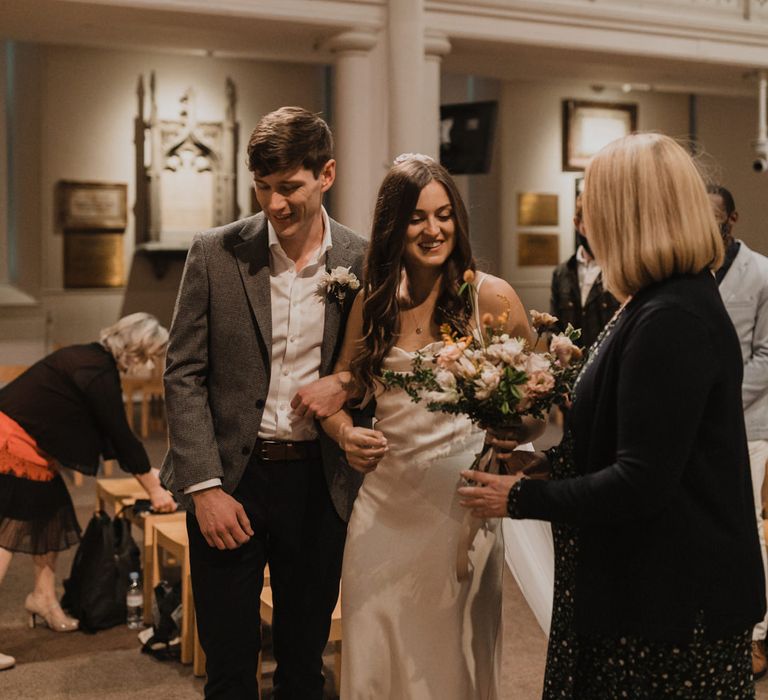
{"points": [[412, 629], [67, 410], [659, 577]]}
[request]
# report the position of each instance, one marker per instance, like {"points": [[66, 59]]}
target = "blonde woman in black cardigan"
{"points": [[659, 578]]}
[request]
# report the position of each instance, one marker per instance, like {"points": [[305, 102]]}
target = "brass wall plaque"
{"points": [[538, 249], [535, 209], [93, 260], [92, 206]]}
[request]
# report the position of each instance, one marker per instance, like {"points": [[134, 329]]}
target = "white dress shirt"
{"points": [[298, 324], [588, 271]]}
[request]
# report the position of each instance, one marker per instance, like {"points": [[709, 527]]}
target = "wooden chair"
{"points": [[171, 537], [146, 523], [118, 493], [334, 636], [150, 390]]}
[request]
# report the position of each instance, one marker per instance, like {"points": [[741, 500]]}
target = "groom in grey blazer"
{"points": [[255, 321], [743, 280]]}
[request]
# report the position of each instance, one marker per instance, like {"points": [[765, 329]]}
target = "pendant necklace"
{"points": [[419, 326]]}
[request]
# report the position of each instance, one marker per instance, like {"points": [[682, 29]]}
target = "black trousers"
{"points": [[298, 532]]}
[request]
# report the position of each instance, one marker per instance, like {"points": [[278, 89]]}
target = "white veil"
{"points": [[530, 555]]}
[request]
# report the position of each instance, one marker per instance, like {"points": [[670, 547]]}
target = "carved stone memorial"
{"points": [[186, 173]]}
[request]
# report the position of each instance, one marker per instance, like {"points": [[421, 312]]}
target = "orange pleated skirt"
{"points": [[36, 511]]}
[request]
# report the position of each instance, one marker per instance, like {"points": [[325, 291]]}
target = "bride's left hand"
{"points": [[489, 498]]}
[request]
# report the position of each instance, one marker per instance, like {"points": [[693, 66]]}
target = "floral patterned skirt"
{"points": [[586, 667], [36, 511]]}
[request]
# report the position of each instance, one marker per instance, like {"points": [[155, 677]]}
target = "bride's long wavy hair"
{"points": [[384, 265]]}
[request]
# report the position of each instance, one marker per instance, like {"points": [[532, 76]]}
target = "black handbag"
{"points": [[97, 585]]}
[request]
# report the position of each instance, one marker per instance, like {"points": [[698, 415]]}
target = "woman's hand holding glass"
{"points": [[363, 447]]}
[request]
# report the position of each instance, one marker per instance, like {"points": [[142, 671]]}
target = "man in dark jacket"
{"points": [[578, 296]]}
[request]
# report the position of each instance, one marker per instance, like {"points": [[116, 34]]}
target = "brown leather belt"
{"points": [[280, 451]]}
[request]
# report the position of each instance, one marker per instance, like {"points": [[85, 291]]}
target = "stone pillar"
{"points": [[351, 127], [436, 46], [405, 25]]}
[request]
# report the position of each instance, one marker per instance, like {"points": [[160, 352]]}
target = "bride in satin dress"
{"points": [[414, 626]]}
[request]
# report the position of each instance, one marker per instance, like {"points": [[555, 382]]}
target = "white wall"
{"points": [[76, 112], [727, 128], [481, 192], [531, 136]]}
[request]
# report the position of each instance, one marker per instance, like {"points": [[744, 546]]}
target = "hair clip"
{"points": [[403, 157]]}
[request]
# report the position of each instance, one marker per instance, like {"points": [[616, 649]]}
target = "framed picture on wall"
{"points": [[92, 206], [588, 126], [466, 137]]}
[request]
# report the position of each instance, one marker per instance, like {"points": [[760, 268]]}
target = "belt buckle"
{"points": [[264, 451]]}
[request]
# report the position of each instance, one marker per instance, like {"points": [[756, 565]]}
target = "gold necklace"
{"points": [[419, 326]]}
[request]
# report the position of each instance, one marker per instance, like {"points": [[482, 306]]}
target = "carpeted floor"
{"points": [[109, 665]]}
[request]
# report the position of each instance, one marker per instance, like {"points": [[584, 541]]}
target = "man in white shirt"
{"points": [[255, 321], [743, 281], [577, 294]]}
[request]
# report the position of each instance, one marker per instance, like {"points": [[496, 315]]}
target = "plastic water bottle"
{"points": [[134, 602]]}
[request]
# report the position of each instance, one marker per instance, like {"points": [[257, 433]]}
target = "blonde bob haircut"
{"points": [[134, 340], [647, 213]]}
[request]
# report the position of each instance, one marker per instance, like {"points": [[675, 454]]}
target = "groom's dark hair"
{"points": [[289, 138]]}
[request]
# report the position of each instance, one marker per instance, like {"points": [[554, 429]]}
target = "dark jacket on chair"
{"points": [[663, 503]]}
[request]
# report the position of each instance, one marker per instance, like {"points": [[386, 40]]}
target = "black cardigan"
{"points": [[71, 403], [664, 501]]}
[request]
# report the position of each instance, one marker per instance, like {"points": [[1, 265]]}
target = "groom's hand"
{"points": [[221, 519], [323, 397]]}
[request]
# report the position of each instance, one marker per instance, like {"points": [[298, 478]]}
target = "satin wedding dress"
{"points": [[412, 630]]}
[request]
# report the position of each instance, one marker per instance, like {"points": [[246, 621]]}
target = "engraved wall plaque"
{"points": [[536, 209], [93, 260], [92, 206], [538, 249]]}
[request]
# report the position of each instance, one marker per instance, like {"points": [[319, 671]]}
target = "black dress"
{"points": [[592, 667], [590, 655], [65, 410]]}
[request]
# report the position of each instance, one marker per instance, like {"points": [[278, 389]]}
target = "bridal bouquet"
{"points": [[494, 379], [491, 377]]}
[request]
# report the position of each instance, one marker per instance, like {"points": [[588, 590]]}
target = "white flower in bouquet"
{"points": [[450, 354], [564, 349], [508, 350], [487, 381], [447, 393], [536, 363], [446, 380]]}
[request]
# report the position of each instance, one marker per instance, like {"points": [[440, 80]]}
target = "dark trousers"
{"points": [[298, 532]]}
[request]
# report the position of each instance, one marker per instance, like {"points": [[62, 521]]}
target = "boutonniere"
{"points": [[335, 283]]}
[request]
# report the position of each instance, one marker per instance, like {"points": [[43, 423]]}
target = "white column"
{"points": [[352, 127], [3, 167], [436, 46], [406, 69]]}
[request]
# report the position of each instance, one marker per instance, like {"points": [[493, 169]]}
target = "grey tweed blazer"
{"points": [[218, 362]]}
